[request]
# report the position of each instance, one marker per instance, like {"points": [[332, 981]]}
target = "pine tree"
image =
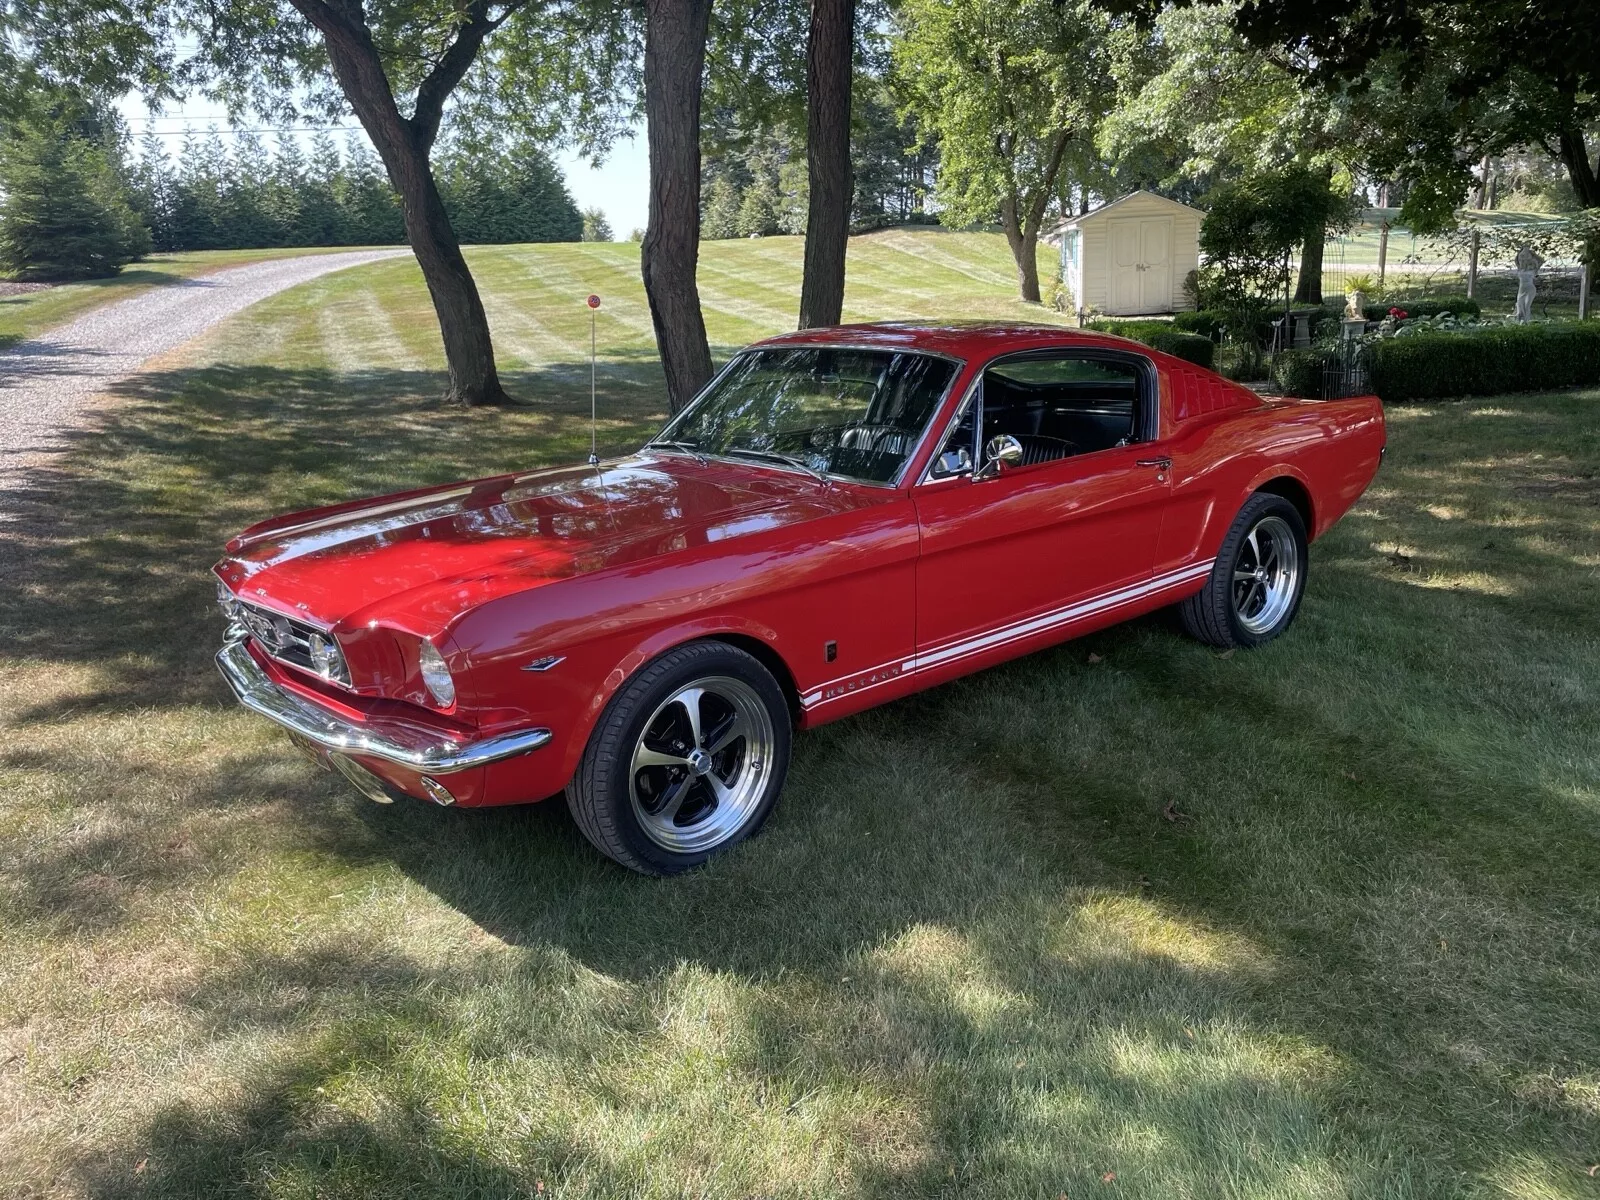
{"points": [[64, 207]]}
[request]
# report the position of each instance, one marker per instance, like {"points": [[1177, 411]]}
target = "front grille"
{"points": [[285, 639]]}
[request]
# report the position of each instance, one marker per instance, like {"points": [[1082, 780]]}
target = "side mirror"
{"points": [[1002, 453]]}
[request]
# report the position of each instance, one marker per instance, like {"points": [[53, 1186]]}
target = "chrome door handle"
{"points": [[1160, 464]]}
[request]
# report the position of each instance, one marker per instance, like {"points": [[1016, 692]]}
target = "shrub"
{"points": [[1162, 336], [64, 211], [1299, 372], [1507, 358], [1204, 321], [1462, 306]]}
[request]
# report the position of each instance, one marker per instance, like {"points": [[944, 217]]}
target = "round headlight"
{"points": [[436, 675], [327, 659]]}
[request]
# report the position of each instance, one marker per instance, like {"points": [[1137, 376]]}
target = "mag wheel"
{"points": [[1255, 585], [687, 760]]}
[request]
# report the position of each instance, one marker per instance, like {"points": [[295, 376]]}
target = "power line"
{"points": [[185, 132]]}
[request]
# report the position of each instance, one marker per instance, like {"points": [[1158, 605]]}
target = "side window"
{"points": [[1061, 405]]}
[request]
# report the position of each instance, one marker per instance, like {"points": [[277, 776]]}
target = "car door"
{"points": [[1068, 531]]}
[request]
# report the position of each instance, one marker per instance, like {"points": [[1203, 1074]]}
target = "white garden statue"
{"points": [[1528, 264]]}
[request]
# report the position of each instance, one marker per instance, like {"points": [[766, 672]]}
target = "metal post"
{"points": [[1583, 293], [594, 456]]}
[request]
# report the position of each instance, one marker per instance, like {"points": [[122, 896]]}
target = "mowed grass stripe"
{"points": [[1316, 920]]}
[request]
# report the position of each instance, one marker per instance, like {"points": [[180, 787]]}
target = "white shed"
{"points": [[1130, 256]]}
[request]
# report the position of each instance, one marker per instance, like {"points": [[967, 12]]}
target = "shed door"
{"points": [[1141, 265], [1155, 251]]}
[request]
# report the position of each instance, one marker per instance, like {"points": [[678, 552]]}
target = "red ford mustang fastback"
{"points": [[843, 516]]}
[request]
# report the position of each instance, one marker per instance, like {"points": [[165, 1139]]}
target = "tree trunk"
{"points": [[1023, 251], [1021, 224], [1586, 183], [674, 63], [830, 53], [468, 350], [404, 145], [1309, 289]]}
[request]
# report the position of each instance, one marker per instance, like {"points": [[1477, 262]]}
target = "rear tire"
{"points": [[1255, 585], [686, 761]]}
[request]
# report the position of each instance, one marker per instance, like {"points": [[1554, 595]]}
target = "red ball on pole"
{"points": [[593, 301]]}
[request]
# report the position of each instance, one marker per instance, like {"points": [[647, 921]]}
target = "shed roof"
{"points": [[1096, 213]]}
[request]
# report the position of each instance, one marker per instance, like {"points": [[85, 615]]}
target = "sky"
{"points": [[620, 187]]}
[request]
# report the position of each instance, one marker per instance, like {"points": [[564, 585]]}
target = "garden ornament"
{"points": [[1528, 264], [1355, 305]]}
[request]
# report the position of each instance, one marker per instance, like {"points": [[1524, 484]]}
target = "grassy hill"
{"points": [[749, 289]]}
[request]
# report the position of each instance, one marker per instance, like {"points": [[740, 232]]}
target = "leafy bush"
{"points": [[1507, 358], [1299, 372], [1162, 336], [1424, 307]]}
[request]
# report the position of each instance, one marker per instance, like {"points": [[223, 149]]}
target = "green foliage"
{"points": [[1506, 358], [754, 180], [1430, 306], [1206, 322], [64, 206], [212, 199], [1253, 224], [1162, 336], [595, 226], [1299, 372], [1001, 83]]}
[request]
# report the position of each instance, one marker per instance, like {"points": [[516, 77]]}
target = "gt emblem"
{"points": [[545, 663]]}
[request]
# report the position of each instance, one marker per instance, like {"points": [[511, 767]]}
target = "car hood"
{"points": [[418, 559]]}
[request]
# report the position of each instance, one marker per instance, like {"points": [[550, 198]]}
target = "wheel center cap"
{"points": [[1261, 575], [699, 761]]}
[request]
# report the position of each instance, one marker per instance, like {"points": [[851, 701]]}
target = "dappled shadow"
{"points": [[1060, 919], [105, 550]]}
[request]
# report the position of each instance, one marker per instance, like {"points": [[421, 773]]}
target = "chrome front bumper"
{"points": [[418, 750]]}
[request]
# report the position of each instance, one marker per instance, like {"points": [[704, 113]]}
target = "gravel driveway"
{"points": [[46, 384]]}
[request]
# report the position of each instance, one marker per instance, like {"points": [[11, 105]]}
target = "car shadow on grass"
{"points": [[1315, 919]]}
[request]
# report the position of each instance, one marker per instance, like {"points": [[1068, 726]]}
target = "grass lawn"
{"points": [[1126, 918], [26, 314]]}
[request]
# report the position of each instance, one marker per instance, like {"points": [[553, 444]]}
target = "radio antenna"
{"points": [[594, 457]]}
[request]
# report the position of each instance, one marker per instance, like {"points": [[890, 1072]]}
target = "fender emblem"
{"points": [[545, 663]]}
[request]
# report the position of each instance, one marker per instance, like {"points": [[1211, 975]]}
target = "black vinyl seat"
{"points": [[1040, 448]]}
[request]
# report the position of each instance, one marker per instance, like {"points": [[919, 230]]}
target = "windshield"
{"points": [[833, 410]]}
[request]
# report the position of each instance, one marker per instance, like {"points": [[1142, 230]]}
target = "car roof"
{"points": [[960, 339]]}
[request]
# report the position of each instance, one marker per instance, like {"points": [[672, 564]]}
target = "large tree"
{"points": [[1456, 80], [1191, 91], [1006, 86], [396, 64], [830, 73], [674, 66]]}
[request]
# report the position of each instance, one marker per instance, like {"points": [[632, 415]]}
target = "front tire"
{"points": [[1256, 583], [686, 761]]}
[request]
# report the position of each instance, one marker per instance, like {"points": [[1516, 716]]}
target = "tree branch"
{"points": [[452, 67]]}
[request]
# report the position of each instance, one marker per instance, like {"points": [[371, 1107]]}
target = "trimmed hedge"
{"points": [[1299, 372], [1510, 358], [1160, 335], [1425, 307], [1202, 321]]}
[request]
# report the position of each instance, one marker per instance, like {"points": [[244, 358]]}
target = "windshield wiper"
{"points": [[688, 448], [775, 456]]}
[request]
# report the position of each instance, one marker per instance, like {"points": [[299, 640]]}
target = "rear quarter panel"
{"points": [[1330, 448]]}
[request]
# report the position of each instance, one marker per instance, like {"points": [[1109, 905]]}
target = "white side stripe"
{"points": [[1017, 630]]}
